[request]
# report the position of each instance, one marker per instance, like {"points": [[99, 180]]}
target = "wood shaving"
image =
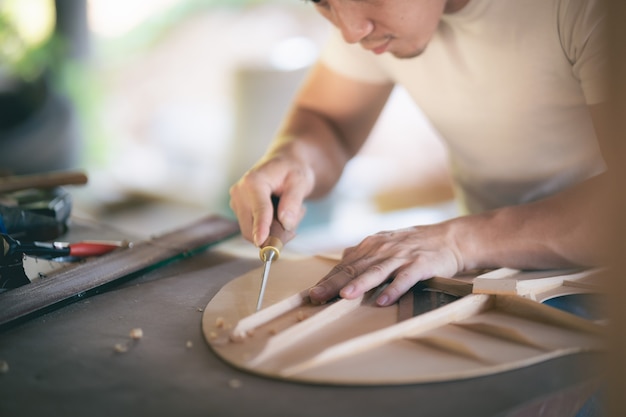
{"points": [[219, 322], [120, 348], [189, 344], [212, 335], [301, 316], [4, 367], [235, 383], [200, 309], [136, 334]]}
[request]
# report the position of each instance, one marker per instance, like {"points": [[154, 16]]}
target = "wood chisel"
{"points": [[270, 250]]}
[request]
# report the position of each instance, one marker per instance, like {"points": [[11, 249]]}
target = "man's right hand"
{"points": [[251, 196]]}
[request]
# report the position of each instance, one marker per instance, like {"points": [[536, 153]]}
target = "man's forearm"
{"points": [[314, 142], [560, 231]]}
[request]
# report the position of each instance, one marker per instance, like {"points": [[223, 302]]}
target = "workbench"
{"points": [[65, 363]]}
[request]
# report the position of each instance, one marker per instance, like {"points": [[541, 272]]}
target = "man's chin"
{"points": [[407, 54]]}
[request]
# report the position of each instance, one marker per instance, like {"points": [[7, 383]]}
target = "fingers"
{"points": [[253, 208], [404, 279], [262, 217], [347, 282], [333, 282], [401, 258], [291, 210], [250, 198]]}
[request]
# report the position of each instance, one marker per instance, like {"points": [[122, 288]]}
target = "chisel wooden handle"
{"points": [[277, 238], [274, 243]]}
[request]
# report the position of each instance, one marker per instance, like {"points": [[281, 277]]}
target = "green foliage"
{"points": [[22, 60]]}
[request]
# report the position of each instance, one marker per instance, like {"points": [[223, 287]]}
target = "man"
{"points": [[513, 87]]}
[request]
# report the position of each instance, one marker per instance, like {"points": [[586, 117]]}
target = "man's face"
{"points": [[401, 27]]}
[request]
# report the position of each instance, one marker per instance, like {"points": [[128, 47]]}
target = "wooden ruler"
{"points": [[73, 283]]}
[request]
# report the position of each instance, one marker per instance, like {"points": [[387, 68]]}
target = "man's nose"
{"points": [[354, 26]]}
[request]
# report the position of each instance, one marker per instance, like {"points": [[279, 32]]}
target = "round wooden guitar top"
{"points": [[354, 342]]}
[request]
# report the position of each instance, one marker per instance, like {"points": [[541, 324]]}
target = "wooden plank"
{"points": [[76, 282]]}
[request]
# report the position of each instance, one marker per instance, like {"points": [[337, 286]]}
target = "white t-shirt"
{"points": [[506, 83]]}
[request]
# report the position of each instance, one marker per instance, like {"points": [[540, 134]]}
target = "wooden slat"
{"points": [[75, 282], [306, 328], [268, 314], [456, 311]]}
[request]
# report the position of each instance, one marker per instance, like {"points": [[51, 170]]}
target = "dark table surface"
{"points": [[64, 363]]}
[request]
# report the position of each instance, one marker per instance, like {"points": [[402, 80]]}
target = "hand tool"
{"points": [[270, 249], [52, 250]]}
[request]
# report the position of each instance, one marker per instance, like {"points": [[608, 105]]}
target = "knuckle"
{"points": [[347, 269], [376, 269], [405, 276]]}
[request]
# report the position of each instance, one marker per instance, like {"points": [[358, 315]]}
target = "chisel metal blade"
{"points": [[270, 249], [267, 264]]}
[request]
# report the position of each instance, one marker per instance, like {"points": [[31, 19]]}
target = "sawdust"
{"points": [[135, 335]]}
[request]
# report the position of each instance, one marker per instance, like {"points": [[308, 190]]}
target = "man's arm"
{"points": [[329, 121], [563, 230]]}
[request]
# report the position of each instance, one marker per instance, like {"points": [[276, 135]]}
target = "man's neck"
{"points": [[453, 6]]}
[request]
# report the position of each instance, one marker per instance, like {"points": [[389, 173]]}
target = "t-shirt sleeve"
{"points": [[583, 35], [352, 61]]}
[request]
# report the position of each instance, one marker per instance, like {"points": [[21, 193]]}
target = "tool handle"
{"points": [[275, 242], [85, 249], [10, 248], [277, 238], [46, 180]]}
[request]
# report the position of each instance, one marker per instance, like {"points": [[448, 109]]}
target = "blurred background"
{"points": [[166, 103]]}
